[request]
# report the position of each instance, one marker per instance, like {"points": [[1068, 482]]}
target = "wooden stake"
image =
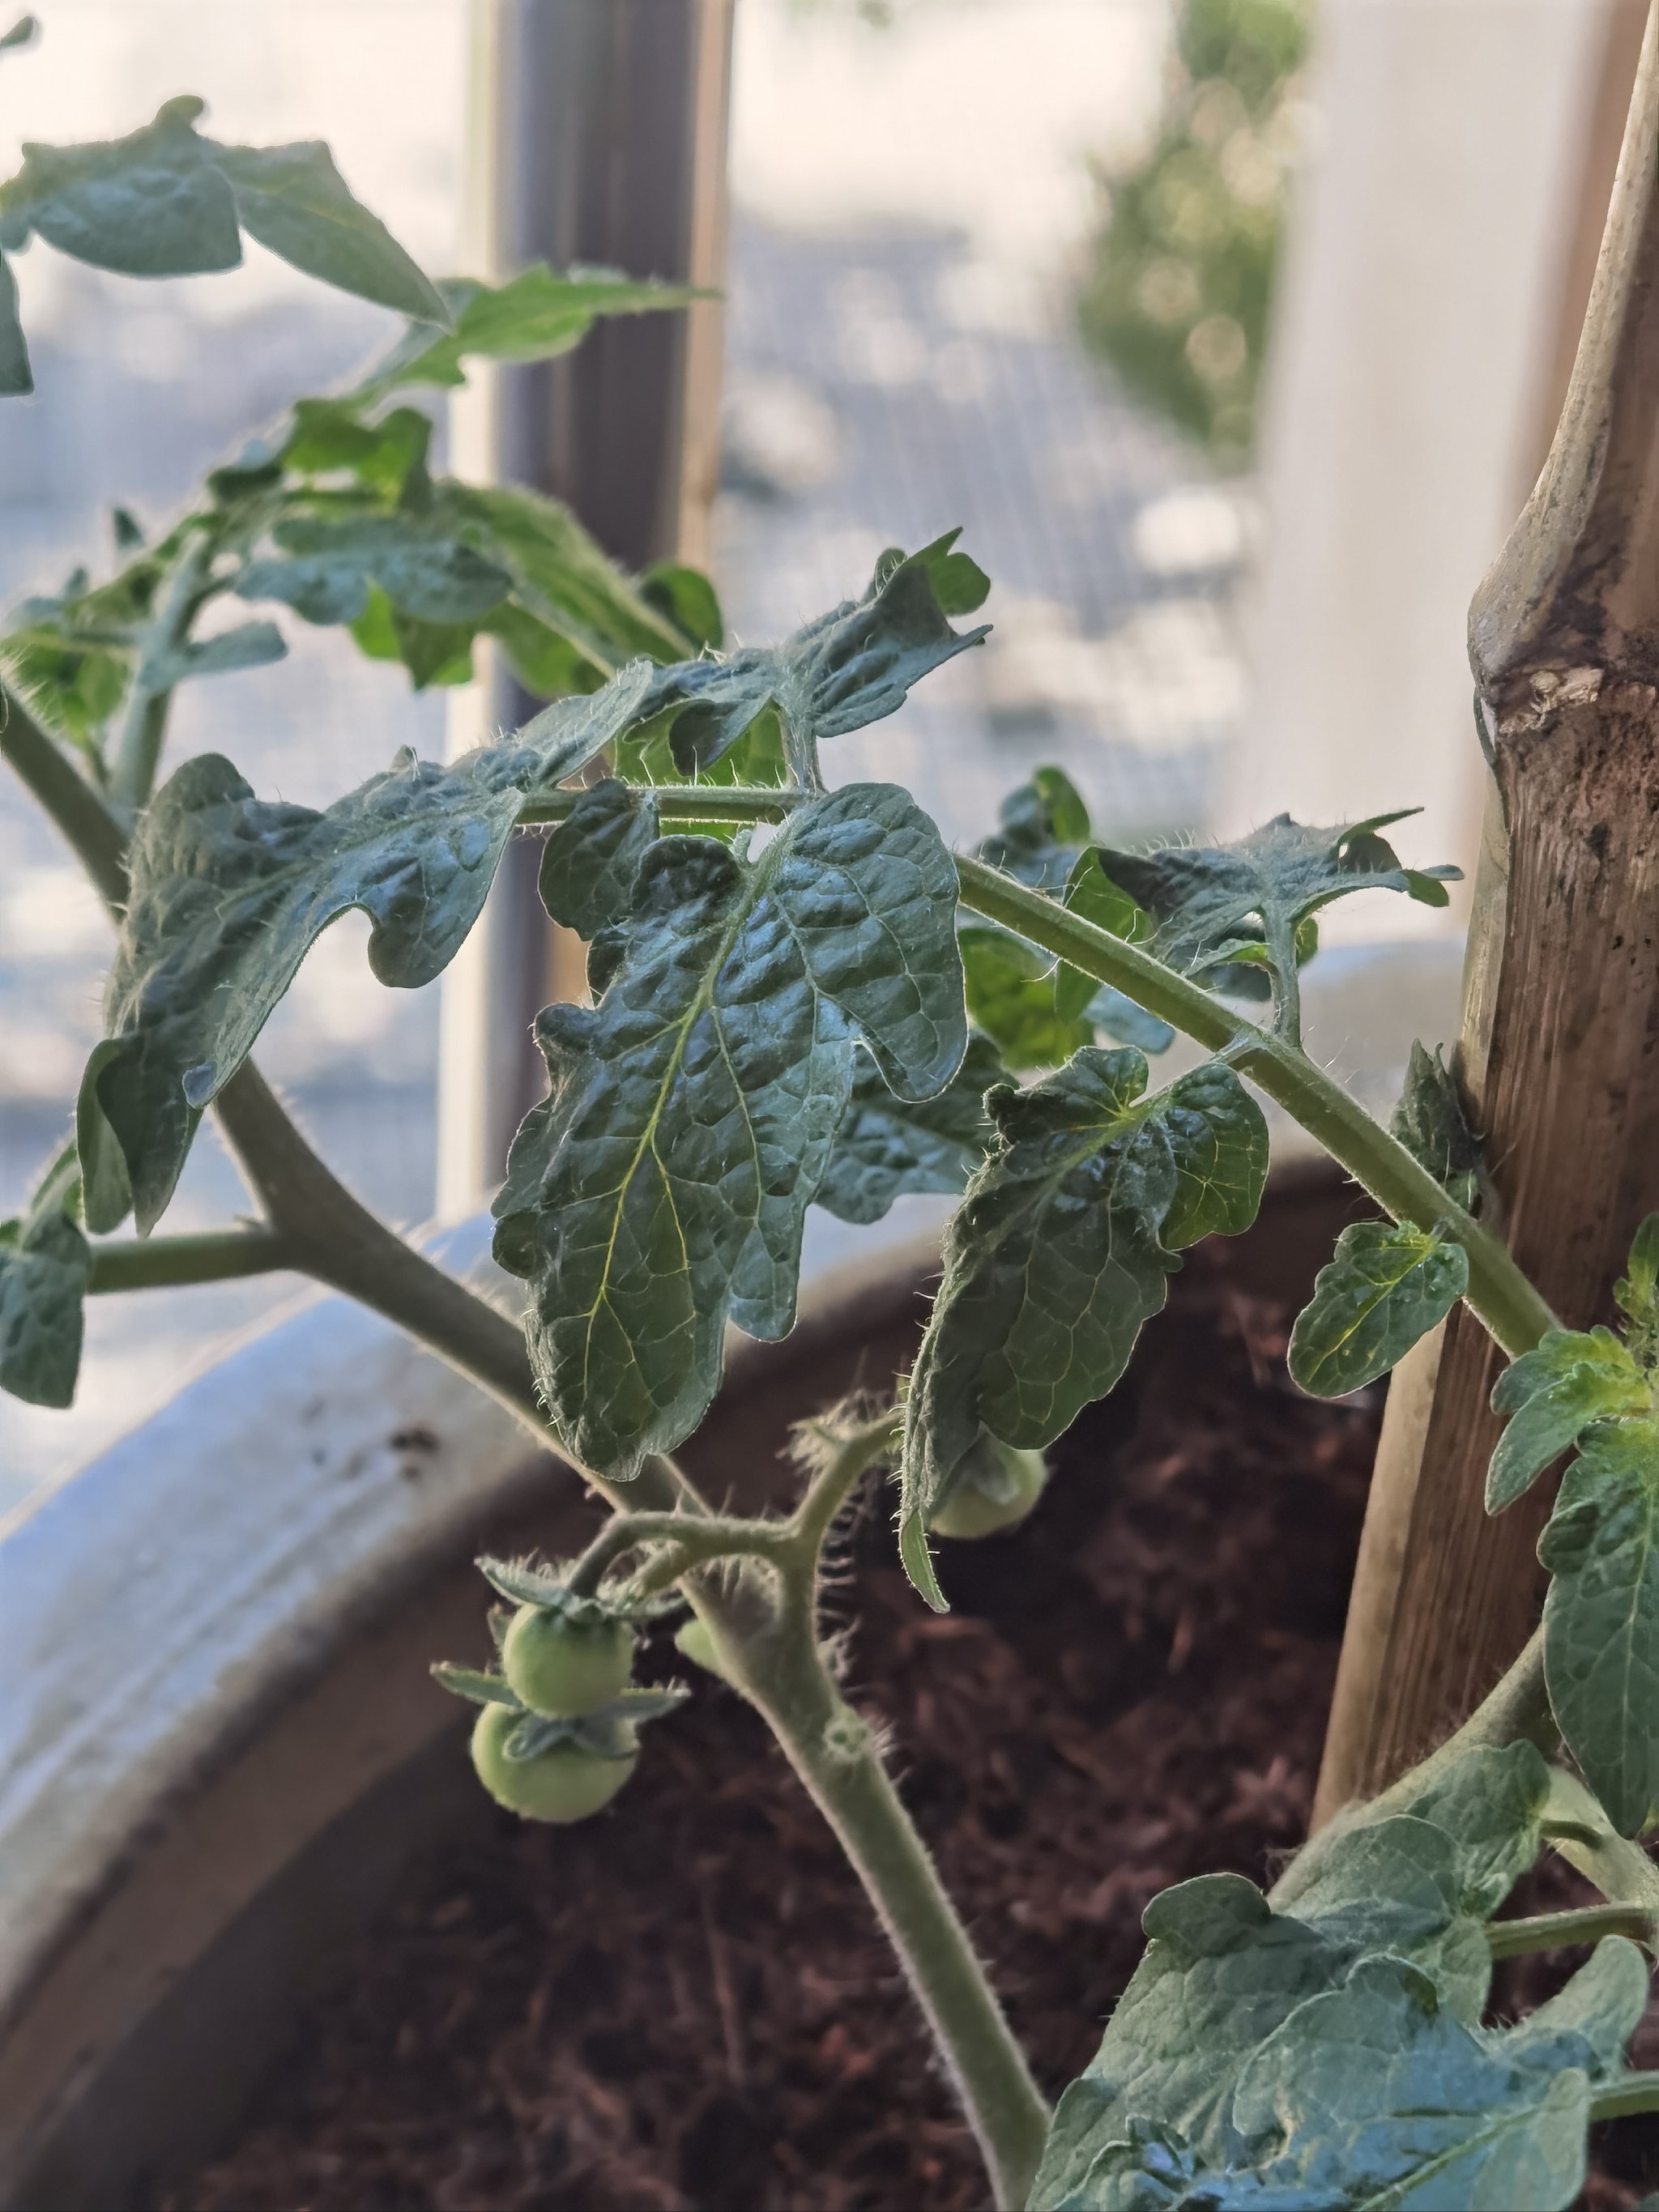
{"points": [[1559, 1050]]}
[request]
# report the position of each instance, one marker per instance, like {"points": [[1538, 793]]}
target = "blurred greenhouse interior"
{"points": [[1228, 330]]}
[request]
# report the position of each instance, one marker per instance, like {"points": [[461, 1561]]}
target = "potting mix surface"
{"points": [[686, 2002]]}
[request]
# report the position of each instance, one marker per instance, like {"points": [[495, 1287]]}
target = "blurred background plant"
{"points": [[1178, 296]]}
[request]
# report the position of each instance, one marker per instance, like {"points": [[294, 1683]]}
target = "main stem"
{"points": [[783, 1671]]}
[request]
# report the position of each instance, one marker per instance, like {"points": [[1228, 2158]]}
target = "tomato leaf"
{"points": [[1061, 1248], [1551, 1396], [1431, 1123], [533, 316], [592, 859], [851, 666], [1602, 1615], [230, 892], [661, 1187], [885, 1145], [166, 202], [1388, 1284], [1321, 2048], [44, 1267], [1219, 906]]}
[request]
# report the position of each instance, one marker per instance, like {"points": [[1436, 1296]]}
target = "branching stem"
{"points": [[215, 1255], [1632, 2093], [1553, 1931]]}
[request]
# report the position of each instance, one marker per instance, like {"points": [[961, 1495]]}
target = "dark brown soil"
{"points": [[685, 2003]]}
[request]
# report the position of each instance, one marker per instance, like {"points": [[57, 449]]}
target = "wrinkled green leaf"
{"points": [[1380, 2099], [331, 437], [326, 568], [1060, 1250], [591, 862], [166, 202], [1388, 1284], [228, 892], [1041, 828], [1430, 1122], [1011, 996], [1313, 2056], [1489, 1802], [539, 313], [44, 1267], [688, 599], [249, 644], [851, 666], [558, 573], [1091, 894], [885, 1145], [1551, 1396], [661, 1187], [295, 202], [1637, 1294], [1220, 907], [1602, 1616], [1014, 995]]}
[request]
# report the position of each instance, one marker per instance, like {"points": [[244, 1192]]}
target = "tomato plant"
{"points": [[798, 994]]}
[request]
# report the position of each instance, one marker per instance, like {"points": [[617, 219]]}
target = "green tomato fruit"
{"points": [[564, 1669], [568, 1782], [995, 1493], [694, 1643]]}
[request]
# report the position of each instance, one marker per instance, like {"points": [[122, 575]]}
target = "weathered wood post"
{"points": [[1559, 1050]]}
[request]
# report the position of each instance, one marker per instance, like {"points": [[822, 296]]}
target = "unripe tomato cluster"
{"points": [[560, 1668]]}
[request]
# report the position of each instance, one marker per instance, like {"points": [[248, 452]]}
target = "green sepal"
{"points": [[547, 1588], [1388, 1284], [661, 1187], [474, 1685], [611, 1732], [227, 894], [1431, 1123], [44, 1267], [1090, 1189], [851, 666]]}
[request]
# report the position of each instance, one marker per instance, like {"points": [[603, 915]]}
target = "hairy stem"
{"points": [[696, 1541], [215, 1255], [781, 1670], [1552, 1931], [1632, 2093], [93, 833], [144, 723]]}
